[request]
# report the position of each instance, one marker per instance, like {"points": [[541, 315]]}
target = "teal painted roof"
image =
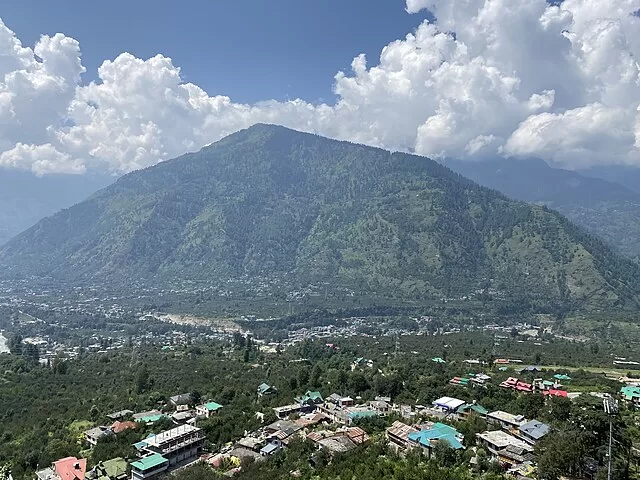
{"points": [[438, 360], [479, 409], [439, 431], [362, 414], [149, 462], [630, 392], [562, 376], [150, 418], [212, 406]]}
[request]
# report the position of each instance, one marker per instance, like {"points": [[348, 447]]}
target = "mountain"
{"points": [[269, 202], [25, 199], [627, 176], [605, 208]]}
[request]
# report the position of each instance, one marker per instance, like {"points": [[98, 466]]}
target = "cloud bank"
{"points": [[487, 77]]}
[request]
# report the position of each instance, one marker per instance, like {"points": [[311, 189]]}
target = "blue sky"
{"points": [[250, 50], [520, 78]]}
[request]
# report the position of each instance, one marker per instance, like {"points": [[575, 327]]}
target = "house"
{"points": [[556, 393], [148, 417], [310, 398], [207, 409], [94, 435], [462, 381], [119, 427], [472, 408], [531, 369], [507, 421], [438, 360], [506, 448], [428, 437], [380, 406], [271, 448], [178, 445], [510, 382], [340, 400], [149, 467], [524, 387], [266, 389], [281, 430], [357, 435], [398, 434], [312, 419], [533, 431], [114, 469], [337, 443], [480, 379], [182, 399], [561, 376], [185, 416], [119, 415], [631, 394], [69, 468], [448, 404], [286, 410]]}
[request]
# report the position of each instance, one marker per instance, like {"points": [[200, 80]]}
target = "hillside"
{"points": [[605, 208], [274, 203], [25, 199]]}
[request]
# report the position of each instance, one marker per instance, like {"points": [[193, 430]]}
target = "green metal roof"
{"points": [[212, 406], [149, 462]]}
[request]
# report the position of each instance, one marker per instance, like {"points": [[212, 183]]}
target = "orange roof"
{"points": [[118, 427], [71, 468]]}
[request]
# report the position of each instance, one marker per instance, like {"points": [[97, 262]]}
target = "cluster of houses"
{"points": [[510, 441], [551, 388], [157, 454]]}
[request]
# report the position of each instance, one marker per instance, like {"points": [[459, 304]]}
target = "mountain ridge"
{"points": [[605, 208], [272, 201]]}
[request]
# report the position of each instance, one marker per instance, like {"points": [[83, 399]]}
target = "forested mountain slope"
{"points": [[269, 201]]}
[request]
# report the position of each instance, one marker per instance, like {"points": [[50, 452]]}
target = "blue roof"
{"points": [[269, 447], [439, 431], [535, 429]]}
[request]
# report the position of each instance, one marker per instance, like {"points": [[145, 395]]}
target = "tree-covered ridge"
{"points": [[269, 201]]}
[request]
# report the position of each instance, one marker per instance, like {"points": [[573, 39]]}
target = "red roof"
{"points": [[523, 387], [71, 468], [501, 360], [118, 427], [555, 393]]}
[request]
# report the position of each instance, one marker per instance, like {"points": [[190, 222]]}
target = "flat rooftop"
{"points": [[507, 417], [172, 434], [501, 440]]}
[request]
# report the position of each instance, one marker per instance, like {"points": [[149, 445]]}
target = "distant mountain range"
{"points": [[606, 208], [25, 199], [269, 201]]}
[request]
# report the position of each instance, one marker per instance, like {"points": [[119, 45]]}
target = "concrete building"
{"points": [[149, 467], [178, 444]]}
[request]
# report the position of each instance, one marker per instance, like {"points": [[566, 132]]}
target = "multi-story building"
{"points": [[167, 450]]}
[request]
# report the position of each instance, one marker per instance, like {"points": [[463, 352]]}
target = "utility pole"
{"points": [[611, 409]]}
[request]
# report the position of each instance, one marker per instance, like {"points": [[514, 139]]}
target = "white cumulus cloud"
{"points": [[486, 78]]}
